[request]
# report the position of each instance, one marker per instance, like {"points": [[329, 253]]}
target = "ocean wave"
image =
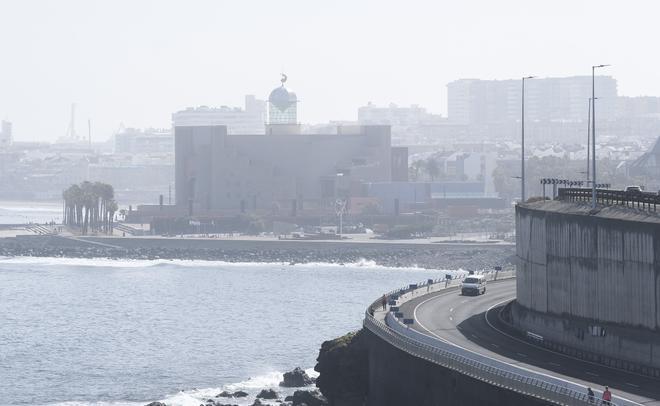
{"points": [[148, 263], [195, 397]]}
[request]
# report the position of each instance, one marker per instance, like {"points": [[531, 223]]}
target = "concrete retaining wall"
{"points": [[397, 378], [589, 266], [595, 276]]}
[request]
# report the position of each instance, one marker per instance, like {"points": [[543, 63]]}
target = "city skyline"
{"points": [[136, 64]]}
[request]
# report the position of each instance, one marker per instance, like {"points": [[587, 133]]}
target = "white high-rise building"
{"points": [[250, 120], [5, 134], [482, 102]]}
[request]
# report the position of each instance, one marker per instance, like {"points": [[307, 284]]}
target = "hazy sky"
{"points": [[135, 62]]}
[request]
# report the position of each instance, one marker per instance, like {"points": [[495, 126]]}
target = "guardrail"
{"points": [[640, 200], [459, 360]]}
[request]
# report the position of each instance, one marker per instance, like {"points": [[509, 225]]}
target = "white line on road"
{"points": [[521, 354], [473, 336], [632, 384], [550, 351], [590, 373], [495, 345], [451, 310], [554, 363], [451, 318], [503, 333]]}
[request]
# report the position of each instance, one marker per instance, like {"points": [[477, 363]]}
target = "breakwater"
{"points": [[438, 256]]}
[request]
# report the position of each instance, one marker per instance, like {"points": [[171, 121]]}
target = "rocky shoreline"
{"points": [[436, 257], [304, 394]]}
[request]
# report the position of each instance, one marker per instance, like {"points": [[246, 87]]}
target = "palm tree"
{"points": [[89, 205], [110, 207]]}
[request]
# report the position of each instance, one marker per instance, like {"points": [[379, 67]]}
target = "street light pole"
{"points": [[593, 134], [588, 138], [522, 153]]}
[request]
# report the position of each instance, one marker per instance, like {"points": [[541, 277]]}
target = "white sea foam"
{"points": [[195, 397], [144, 263]]}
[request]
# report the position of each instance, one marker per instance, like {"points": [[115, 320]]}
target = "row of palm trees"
{"points": [[90, 205]]}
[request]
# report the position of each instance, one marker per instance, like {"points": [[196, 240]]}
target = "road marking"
{"points": [[590, 373], [632, 384], [521, 354], [550, 351], [554, 363], [464, 301], [451, 318], [451, 310], [434, 335], [473, 336], [495, 345]]}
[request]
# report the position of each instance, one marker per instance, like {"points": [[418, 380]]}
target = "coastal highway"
{"points": [[472, 322]]}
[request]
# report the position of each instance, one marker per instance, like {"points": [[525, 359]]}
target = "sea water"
{"points": [[115, 332], [14, 212]]}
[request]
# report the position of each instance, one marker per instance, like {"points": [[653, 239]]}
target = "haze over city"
{"points": [[339, 203], [137, 62]]}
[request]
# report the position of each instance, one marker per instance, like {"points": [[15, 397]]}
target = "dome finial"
{"points": [[284, 78]]}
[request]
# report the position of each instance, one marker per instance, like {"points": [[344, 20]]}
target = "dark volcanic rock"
{"points": [[224, 394], [309, 398], [343, 365], [296, 379], [257, 402], [156, 404], [267, 394], [239, 394]]}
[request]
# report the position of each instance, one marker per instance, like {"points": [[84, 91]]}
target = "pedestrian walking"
{"points": [[607, 396], [383, 301], [591, 396]]}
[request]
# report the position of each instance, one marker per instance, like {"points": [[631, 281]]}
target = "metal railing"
{"points": [[640, 200], [455, 360]]}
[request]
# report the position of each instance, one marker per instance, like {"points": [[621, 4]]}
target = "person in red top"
{"points": [[607, 396]]}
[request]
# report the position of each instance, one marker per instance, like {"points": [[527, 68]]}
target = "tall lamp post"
{"points": [[522, 154], [588, 139], [593, 134]]}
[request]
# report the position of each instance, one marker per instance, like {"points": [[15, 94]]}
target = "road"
{"points": [[471, 322]]}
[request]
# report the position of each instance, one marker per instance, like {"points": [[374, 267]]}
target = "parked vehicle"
{"points": [[634, 189]]}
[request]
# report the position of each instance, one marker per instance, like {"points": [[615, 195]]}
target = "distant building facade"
{"points": [[149, 141], [5, 134], [638, 107], [407, 123], [485, 102], [285, 173], [250, 120]]}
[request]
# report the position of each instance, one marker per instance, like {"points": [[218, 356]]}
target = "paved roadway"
{"points": [[471, 322]]}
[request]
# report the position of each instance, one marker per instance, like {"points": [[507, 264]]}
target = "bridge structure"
{"points": [[434, 325], [581, 311]]}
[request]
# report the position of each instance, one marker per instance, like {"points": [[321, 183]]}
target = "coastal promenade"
{"points": [[463, 333]]}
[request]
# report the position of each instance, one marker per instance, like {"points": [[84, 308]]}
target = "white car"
{"points": [[473, 284]]}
